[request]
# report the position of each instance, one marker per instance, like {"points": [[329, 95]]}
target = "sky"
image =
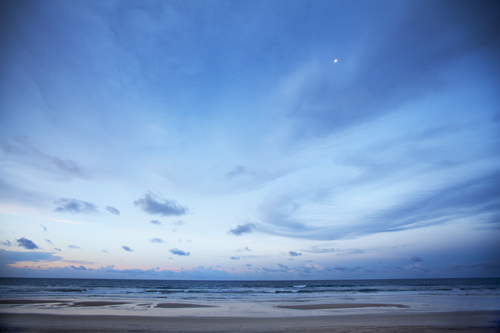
{"points": [[250, 139]]}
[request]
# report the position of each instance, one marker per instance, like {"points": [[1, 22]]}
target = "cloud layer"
{"points": [[325, 136]]}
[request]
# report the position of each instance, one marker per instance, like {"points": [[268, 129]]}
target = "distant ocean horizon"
{"points": [[199, 290]]}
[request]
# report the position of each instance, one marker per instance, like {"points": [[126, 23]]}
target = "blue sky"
{"points": [[250, 139]]}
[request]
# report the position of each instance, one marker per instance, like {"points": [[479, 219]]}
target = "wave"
{"points": [[244, 289], [69, 290]]}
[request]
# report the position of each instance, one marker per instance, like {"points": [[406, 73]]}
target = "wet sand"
{"points": [[464, 321], [338, 306], [182, 305], [30, 301]]}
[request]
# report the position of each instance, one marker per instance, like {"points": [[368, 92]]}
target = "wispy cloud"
{"points": [[12, 191], [126, 248], [317, 249], [43, 227], [294, 254], [483, 265], [284, 268], [113, 210], [67, 205], [73, 246], [179, 252], [152, 204], [317, 105], [82, 262], [80, 268], [239, 170], [155, 222], [473, 197], [235, 258], [270, 270], [65, 221], [177, 224], [157, 240], [25, 152], [6, 243], [242, 229], [26, 243], [48, 241]]}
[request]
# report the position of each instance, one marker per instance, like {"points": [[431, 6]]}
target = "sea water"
{"points": [[28, 288]]}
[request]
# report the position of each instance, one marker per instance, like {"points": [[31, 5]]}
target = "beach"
{"points": [[135, 315], [431, 322]]}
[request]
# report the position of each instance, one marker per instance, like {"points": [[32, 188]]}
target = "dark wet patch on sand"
{"points": [[98, 303], [28, 301], [182, 305], [338, 306]]}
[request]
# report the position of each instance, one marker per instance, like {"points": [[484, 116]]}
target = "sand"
{"points": [[479, 321], [136, 315]]}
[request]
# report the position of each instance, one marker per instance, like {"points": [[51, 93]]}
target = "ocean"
{"points": [[24, 288]]}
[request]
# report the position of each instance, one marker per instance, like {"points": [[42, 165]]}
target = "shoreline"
{"points": [[463, 321]]}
